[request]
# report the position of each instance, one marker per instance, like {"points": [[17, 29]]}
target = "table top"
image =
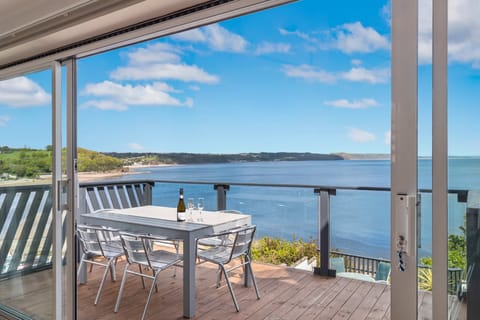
{"points": [[166, 217]]}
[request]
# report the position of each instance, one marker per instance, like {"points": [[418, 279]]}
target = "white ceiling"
{"points": [[29, 28]]}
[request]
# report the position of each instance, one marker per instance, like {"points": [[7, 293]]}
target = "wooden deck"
{"points": [[285, 294]]}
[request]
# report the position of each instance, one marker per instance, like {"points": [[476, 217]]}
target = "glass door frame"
{"points": [[440, 159], [64, 282], [404, 155]]}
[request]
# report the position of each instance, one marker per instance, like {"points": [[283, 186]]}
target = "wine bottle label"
{"points": [[181, 216]]}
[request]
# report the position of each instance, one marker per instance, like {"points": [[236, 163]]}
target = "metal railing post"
{"points": [[148, 195], [473, 254], [324, 231], [221, 195]]}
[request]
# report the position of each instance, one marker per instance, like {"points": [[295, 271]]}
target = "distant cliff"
{"points": [[199, 158]]}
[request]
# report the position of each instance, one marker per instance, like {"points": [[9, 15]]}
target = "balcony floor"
{"points": [[285, 294]]}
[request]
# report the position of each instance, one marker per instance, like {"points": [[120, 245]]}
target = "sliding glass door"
{"points": [[35, 243]]}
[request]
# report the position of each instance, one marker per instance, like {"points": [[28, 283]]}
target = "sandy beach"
{"points": [[83, 176]]}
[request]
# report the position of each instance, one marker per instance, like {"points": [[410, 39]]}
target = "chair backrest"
{"points": [[89, 240], [337, 264], [135, 249], [383, 270], [242, 242]]}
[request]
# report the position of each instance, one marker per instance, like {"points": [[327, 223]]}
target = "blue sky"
{"points": [[311, 76]]}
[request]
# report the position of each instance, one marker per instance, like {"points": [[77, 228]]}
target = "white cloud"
{"points": [[360, 136], [268, 47], [301, 35], [105, 105], [355, 104], [4, 120], [356, 62], [463, 32], [193, 35], [161, 61], [386, 12], [22, 92], [216, 37], [348, 38], [194, 88], [309, 73], [135, 146], [366, 75], [182, 72], [358, 74], [388, 137], [159, 52], [115, 96], [354, 37]]}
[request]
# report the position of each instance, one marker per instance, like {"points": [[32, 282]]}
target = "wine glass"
{"points": [[200, 204], [190, 205]]}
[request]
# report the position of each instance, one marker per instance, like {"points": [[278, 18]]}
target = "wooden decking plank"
{"points": [[379, 310], [284, 280], [285, 292], [338, 303], [354, 301], [291, 304], [425, 306], [212, 304], [368, 302], [323, 288], [324, 300]]}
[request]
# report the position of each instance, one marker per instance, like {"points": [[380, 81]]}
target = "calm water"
{"points": [[360, 219]]}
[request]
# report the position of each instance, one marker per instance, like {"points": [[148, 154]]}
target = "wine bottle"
{"points": [[181, 207]]}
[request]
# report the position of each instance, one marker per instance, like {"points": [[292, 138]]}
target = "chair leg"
{"points": [[177, 248], [81, 265], [253, 276], [102, 283], [113, 274], [154, 285], [141, 271], [219, 276], [230, 288], [122, 285]]}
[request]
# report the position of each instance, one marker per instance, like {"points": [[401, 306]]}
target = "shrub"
{"points": [[280, 251]]}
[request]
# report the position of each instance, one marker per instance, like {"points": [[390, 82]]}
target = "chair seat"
{"points": [[161, 259], [220, 254], [212, 242]]}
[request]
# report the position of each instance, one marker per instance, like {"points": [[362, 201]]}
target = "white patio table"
{"points": [[162, 221]]}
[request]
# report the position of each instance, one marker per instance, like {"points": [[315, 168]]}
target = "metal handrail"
{"points": [[461, 193]]}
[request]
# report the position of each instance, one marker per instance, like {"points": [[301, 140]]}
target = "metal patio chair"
{"points": [[216, 241], [98, 242], [238, 246], [138, 250]]}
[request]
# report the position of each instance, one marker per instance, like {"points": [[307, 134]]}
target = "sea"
{"points": [[360, 220]]}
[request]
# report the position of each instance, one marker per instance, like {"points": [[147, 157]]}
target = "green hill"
{"points": [[31, 163]]}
